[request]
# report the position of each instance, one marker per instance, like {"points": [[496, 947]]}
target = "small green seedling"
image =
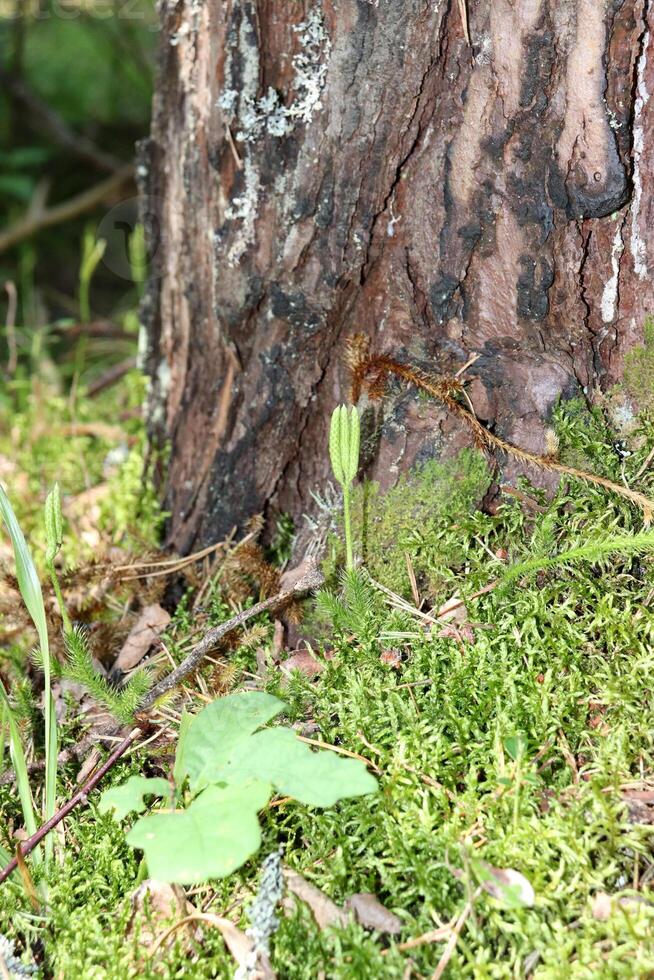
{"points": [[230, 767], [344, 443]]}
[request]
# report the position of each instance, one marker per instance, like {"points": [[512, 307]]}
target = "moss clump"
{"points": [[584, 438], [639, 370], [415, 518]]}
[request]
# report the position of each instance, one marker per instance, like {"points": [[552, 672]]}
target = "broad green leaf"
{"points": [[335, 445], [516, 745], [179, 772], [210, 839], [216, 731], [278, 756], [351, 460], [130, 796]]}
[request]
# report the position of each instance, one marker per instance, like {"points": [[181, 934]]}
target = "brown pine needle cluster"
{"points": [[369, 373]]}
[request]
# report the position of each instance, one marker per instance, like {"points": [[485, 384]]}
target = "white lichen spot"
{"points": [[142, 348], [267, 115], [228, 102], [638, 244], [310, 66], [179, 35], [163, 379], [244, 209], [259, 116], [610, 294], [157, 393], [484, 54], [392, 221]]}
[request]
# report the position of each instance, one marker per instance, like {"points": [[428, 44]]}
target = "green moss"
{"points": [[565, 659], [414, 518], [638, 378], [585, 440]]}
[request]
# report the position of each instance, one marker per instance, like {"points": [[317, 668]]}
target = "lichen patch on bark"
{"points": [[322, 168]]}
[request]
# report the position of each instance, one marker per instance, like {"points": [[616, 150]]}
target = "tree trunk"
{"points": [[316, 171]]}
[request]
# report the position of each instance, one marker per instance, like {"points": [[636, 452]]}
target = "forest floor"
{"points": [[512, 740]]}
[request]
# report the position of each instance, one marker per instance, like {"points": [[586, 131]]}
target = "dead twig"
{"points": [[36, 219], [28, 845], [110, 377], [463, 13], [371, 371], [10, 327], [46, 118], [310, 580], [454, 938]]}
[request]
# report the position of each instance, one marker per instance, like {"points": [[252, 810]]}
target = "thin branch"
{"points": [[110, 377], [463, 13], [48, 120], [28, 845], [312, 579], [31, 223], [10, 327]]}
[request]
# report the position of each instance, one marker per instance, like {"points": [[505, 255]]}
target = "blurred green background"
{"points": [[76, 88]]}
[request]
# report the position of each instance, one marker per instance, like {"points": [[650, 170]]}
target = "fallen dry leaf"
{"points": [[391, 658], [453, 611], [236, 941], [278, 639], [304, 661], [371, 914], [462, 634], [145, 631], [603, 905], [292, 576], [507, 885], [639, 811], [325, 912], [153, 904]]}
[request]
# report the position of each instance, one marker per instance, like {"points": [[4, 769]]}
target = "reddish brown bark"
{"points": [[445, 199]]}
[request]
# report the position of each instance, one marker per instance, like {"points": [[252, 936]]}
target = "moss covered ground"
{"points": [[520, 733]]}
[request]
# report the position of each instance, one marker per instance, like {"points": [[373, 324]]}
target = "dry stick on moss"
{"points": [[311, 579], [370, 370], [28, 845]]}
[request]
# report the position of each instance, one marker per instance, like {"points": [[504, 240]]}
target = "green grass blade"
{"points": [[3, 725], [19, 764], [5, 857], [30, 589], [28, 580]]}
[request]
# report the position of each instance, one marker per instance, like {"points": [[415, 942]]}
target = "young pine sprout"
{"points": [[344, 441]]}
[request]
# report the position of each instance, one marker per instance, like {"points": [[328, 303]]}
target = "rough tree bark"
{"points": [[318, 169]]}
